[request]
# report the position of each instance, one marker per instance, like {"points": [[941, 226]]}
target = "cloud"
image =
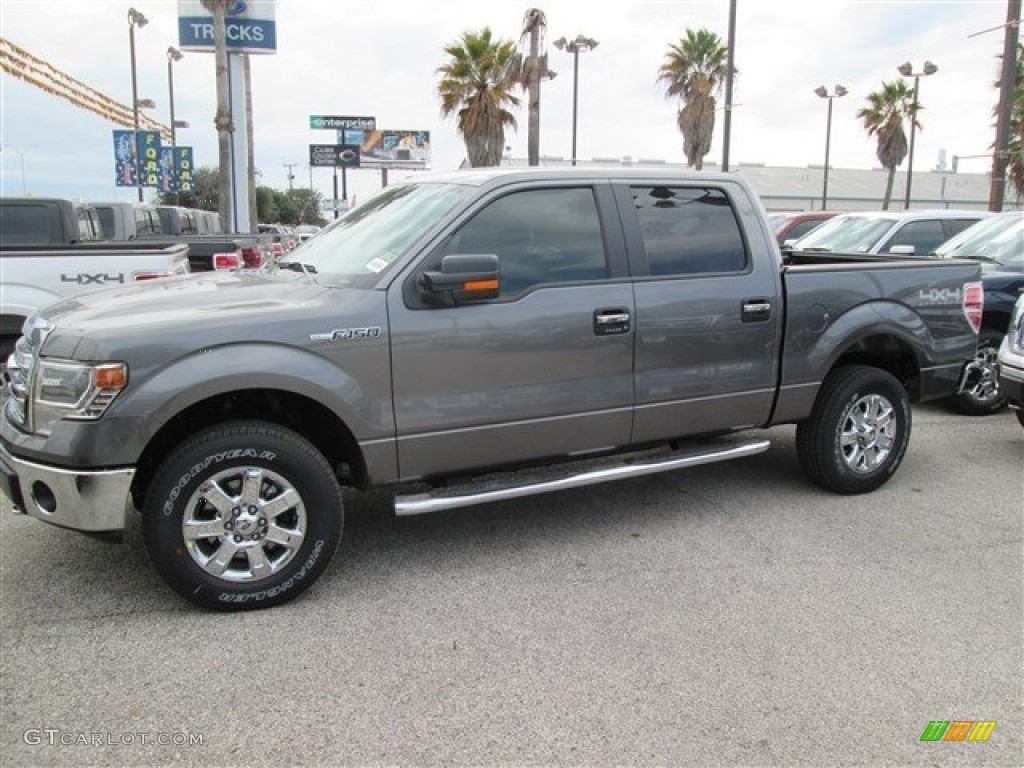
{"points": [[342, 57]]}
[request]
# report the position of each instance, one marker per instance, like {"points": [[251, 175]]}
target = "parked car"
{"points": [[177, 220], [305, 231], [208, 222], [1011, 361], [123, 220], [281, 234], [47, 221], [792, 225], [998, 243], [35, 276], [904, 233]]}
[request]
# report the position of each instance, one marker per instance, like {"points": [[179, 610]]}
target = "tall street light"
{"points": [[838, 93], [574, 47], [907, 70], [173, 55], [21, 153], [135, 19]]}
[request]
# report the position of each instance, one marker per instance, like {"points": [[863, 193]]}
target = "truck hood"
{"points": [[173, 316]]}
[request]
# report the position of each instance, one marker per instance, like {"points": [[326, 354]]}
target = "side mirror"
{"points": [[463, 277], [903, 250]]}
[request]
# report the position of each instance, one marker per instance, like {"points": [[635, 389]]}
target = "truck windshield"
{"points": [[999, 239], [845, 234], [363, 243]]}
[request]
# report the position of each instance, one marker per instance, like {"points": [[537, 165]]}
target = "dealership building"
{"points": [[800, 189]]}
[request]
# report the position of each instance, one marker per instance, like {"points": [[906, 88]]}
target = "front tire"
{"points": [[858, 430], [242, 515]]}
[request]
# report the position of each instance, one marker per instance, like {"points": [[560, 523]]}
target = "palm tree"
{"points": [[530, 69], [1016, 142], [222, 121], [883, 118], [477, 83], [694, 70]]}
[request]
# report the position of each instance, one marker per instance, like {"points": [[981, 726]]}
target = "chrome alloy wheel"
{"points": [[986, 385], [244, 524], [869, 433]]}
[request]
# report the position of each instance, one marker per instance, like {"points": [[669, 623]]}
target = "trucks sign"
{"points": [[334, 155], [249, 27]]}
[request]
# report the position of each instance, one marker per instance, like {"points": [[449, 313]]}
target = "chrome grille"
{"points": [[1016, 331], [20, 367]]}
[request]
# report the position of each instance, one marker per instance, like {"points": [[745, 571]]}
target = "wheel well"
{"points": [[890, 354], [309, 418]]}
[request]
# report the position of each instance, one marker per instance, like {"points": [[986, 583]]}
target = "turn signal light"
{"points": [[112, 376]]}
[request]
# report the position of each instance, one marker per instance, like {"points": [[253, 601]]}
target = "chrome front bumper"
{"points": [[95, 501]]}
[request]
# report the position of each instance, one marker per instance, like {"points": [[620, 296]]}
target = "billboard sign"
{"points": [[342, 122], [250, 26], [334, 155], [405, 147]]}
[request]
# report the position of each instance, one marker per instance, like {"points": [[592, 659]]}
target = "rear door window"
{"points": [[689, 230]]}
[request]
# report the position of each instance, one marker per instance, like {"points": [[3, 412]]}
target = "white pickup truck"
{"points": [[35, 276]]}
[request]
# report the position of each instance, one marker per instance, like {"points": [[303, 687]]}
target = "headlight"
{"points": [[65, 389], [1015, 333]]}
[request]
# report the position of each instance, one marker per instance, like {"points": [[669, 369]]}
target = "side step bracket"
{"points": [[515, 485]]}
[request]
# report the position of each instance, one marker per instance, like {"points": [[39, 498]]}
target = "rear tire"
{"points": [[242, 515], [858, 430]]}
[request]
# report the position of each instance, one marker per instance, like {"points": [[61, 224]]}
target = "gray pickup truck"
{"points": [[467, 338]]}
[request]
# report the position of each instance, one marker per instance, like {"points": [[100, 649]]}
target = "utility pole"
{"points": [[291, 176], [1001, 149], [730, 68]]}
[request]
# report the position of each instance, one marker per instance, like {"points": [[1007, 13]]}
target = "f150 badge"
{"points": [[347, 334]]}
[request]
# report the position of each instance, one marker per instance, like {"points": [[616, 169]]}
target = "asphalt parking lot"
{"points": [[725, 615]]}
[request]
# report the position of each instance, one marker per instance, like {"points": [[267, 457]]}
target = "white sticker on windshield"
{"points": [[377, 265]]}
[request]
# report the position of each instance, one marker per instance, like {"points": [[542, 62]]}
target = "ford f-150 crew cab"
{"points": [[465, 338]]}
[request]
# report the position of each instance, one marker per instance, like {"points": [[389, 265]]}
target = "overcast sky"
{"points": [[379, 59]]}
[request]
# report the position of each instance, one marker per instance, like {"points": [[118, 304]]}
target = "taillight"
{"points": [[252, 256], [974, 304], [276, 250], [231, 260]]}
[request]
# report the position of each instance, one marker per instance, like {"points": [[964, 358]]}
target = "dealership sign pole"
{"points": [[250, 27]]}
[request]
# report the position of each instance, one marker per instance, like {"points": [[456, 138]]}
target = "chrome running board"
{"points": [[518, 485]]}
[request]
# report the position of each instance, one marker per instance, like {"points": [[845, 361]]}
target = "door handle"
{"points": [[612, 321], [756, 310], [621, 317]]}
